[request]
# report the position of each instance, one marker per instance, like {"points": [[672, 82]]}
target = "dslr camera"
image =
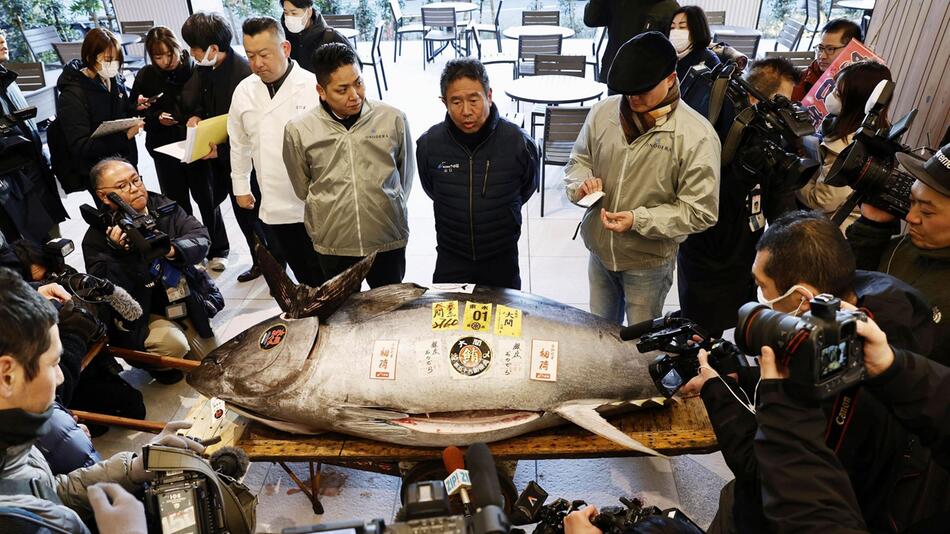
{"points": [[141, 229], [821, 349], [16, 151], [868, 164]]}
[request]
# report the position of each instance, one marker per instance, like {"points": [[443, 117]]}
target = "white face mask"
{"points": [[296, 24], [108, 69], [833, 103], [771, 302], [208, 60], [680, 40]]}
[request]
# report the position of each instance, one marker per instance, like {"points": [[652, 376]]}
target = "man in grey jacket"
{"points": [[351, 161], [29, 375], [656, 162]]}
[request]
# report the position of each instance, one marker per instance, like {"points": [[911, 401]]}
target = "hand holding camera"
{"points": [[170, 438]]}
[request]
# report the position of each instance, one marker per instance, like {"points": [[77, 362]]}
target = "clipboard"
{"points": [[196, 143]]}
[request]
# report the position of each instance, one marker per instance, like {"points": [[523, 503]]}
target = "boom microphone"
{"points": [[123, 303], [458, 480], [88, 288]]}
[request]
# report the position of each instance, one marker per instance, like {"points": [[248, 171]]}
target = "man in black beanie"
{"points": [[655, 162]]}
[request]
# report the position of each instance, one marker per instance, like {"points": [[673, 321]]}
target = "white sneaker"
{"points": [[218, 264]]}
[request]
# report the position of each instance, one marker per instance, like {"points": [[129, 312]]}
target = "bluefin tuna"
{"points": [[428, 367]]}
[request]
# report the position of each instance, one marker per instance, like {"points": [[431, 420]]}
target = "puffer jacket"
{"points": [[355, 182], [305, 43], [668, 177]]}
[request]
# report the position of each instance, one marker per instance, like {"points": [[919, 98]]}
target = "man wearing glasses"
{"points": [[178, 300], [834, 37]]}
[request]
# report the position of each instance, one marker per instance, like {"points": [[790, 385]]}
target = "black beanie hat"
{"points": [[641, 64]]}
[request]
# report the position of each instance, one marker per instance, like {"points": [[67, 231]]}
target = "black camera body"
{"points": [[141, 229], [821, 349], [16, 151], [868, 164]]}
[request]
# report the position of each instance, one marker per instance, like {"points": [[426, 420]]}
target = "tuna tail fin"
{"points": [[301, 300], [585, 415]]}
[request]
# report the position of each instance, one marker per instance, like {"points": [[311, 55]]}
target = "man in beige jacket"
{"points": [[657, 163]]}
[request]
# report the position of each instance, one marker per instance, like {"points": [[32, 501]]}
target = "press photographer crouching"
{"points": [[148, 245], [921, 257], [800, 256], [816, 494]]}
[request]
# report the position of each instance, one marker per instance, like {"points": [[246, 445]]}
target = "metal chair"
{"points": [[562, 126], [812, 10], [376, 58], [596, 46], [490, 28], [790, 35], [800, 60], [716, 18], [30, 76], [486, 58], [137, 27], [539, 17], [745, 44], [443, 24], [40, 40], [400, 27], [68, 51], [555, 66], [342, 21], [532, 45]]}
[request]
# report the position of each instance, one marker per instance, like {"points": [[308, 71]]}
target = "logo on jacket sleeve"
{"points": [[448, 167]]}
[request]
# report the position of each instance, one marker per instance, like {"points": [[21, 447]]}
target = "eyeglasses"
{"points": [[829, 50], [137, 182]]}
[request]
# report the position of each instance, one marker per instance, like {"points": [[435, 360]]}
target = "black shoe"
{"points": [[166, 376], [250, 274]]}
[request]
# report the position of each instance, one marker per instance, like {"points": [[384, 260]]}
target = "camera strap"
{"points": [[840, 419]]}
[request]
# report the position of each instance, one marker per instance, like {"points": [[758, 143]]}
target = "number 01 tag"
{"points": [[477, 317]]}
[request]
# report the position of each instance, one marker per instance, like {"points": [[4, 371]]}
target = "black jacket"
{"points": [[305, 43], [695, 57], [151, 81], [477, 194], [876, 246], [83, 104], [893, 478], [127, 269], [625, 19]]}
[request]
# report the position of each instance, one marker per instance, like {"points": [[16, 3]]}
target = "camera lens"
{"points": [[759, 326]]}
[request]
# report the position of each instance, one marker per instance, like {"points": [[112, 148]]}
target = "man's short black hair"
{"points": [[255, 25], [767, 74], [95, 173], [805, 246], [202, 30], [330, 57], [299, 4], [850, 29], [466, 67], [25, 320]]}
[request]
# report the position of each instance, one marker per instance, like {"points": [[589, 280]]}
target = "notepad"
{"points": [[116, 126]]}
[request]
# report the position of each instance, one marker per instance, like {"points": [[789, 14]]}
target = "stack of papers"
{"points": [[197, 143]]}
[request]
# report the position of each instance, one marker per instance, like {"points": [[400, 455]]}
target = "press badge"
{"points": [[179, 291], [754, 201], [176, 311]]}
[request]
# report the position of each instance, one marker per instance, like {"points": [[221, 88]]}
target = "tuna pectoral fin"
{"points": [[584, 414], [301, 300]]}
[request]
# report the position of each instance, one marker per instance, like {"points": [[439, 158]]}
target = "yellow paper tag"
{"points": [[445, 315], [507, 321], [477, 317]]}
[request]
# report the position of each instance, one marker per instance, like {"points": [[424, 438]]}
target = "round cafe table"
{"points": [[549, 89], [722, 29], [515, 32], [460, 7], [349, 33]]}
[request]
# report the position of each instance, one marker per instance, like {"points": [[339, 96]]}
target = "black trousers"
{"points": [[179, 180], [248, 220], [297, 248], [389, 267], [497, 271]]}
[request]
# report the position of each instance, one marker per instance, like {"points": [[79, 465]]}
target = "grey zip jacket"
{"points": [[354, 183], [668, 177]]}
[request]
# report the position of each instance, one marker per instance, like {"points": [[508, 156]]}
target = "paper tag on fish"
{"points": [[217, 408], [511, 358], [445, 315], [477, 317], [430, 358], [470, 357], [507, 321], [544, 360], [383, 364], [453, 288]]}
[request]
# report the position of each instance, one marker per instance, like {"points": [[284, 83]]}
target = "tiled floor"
{"points": [[552, 265]]}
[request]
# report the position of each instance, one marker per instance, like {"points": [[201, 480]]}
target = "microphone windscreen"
{"points": [[124, 304], [486, 490], [452, 459]]}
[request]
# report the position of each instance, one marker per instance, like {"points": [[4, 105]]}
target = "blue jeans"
{"points": [[640, 292]]}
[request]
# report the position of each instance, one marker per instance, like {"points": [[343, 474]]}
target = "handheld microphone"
{"points": [[635, 331], [486, 492], [458, 481]]}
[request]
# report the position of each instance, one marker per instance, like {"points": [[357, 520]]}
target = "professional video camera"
{"points": [[427, 509], [191, 494], [141, 229], [821, 349], [16, 151], [683, 339], [868, 164]]}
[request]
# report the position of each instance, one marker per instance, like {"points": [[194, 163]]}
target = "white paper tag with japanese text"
{"points": [[430, 358], [218, 409], [512, 357], [544, 358], [383, 363]]}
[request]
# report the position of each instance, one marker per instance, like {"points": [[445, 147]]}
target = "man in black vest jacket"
{"points": [[307, 31], [478, 169]]}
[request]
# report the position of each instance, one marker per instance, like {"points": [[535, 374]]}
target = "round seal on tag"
{"points": [[470, 356], [273, 336]]}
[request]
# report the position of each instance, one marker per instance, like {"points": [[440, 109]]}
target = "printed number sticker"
{"points": [[383, 364], [507, 321], [477, 317], [544, 360], [445, 315]]}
